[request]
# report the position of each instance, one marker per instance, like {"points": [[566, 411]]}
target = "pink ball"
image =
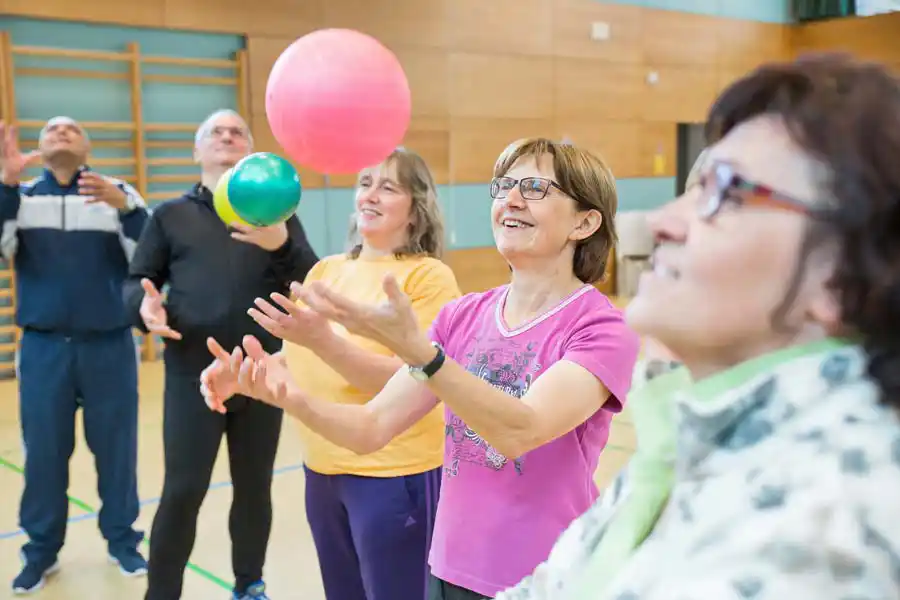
{"points": [[338, 101]]}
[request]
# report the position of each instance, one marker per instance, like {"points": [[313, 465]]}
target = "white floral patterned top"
{"points": [[786, 487]]}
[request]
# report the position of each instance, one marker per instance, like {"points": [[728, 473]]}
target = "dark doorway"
{"points": [[690, 142]]}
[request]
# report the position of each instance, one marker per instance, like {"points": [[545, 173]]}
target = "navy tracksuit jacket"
{"points": [[77, 350]]}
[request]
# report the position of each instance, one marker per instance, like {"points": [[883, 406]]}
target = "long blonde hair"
{"points": [[425, 235]]}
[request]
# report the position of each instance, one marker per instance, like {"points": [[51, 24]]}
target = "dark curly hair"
{"points": [[846, 114]]}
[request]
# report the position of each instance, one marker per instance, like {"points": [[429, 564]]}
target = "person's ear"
{"points": [[823, 305], [588, 223]]}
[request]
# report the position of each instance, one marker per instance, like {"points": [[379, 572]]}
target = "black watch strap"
{"points": [[436, 363]]}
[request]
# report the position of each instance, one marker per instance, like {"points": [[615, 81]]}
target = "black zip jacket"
{"points": [[212, 278]]}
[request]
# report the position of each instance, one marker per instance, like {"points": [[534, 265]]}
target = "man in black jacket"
{"points": [[213, 273]]}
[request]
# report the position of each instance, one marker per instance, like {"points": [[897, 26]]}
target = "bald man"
{"points": [[70, 234]]}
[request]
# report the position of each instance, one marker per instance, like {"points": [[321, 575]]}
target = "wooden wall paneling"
{"points": [[873, 38], [591, 89], [428, 72], [571, 31], [682, 94], [277, 18], [747, 43], [475, 143], [502, 27], [143, 13], [744, 45], [501, 86], [430, 138], [678, 38], [262, 52], [618, 142], [422, 23]]}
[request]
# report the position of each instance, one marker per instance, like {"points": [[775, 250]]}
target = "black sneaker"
{"points": [[129, 561], [33, 576]]}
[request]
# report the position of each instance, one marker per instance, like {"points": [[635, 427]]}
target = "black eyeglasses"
{"points": [[531, 188], [722, 184]]}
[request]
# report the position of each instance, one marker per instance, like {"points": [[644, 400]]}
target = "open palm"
{"points": [[13, 162], [250, 372], [391, 323]]}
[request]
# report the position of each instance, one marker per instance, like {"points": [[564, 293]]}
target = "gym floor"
{"points": [[291, 569]]}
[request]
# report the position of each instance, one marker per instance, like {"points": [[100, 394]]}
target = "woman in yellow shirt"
{"points": [[371, 516]]}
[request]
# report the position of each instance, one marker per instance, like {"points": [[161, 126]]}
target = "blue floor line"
{"points": [[150, 501]]}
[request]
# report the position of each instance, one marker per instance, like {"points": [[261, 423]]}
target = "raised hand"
{"points": [[269, 238], [295, 324], [12, 162], [154, 314], [392, 324], [265, 376], [219, 381], [96, 188], [256, 374]]}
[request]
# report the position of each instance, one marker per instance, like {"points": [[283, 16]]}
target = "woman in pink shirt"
{"points": [[530, 373]]}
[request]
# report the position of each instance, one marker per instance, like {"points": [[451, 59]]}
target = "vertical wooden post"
{"points": [[7, 82], [8, 110], [140, 153], [243, 85]]}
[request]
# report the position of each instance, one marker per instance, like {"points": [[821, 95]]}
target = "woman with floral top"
{"points": [[776, 281]]}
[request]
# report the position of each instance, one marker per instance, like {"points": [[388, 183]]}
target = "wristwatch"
{"points": [[425, 372]]}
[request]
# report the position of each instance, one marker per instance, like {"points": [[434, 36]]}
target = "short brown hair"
{"points": [[845, 113], [426, 232], [587, 179]]}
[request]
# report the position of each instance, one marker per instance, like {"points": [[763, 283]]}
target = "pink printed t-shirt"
{"points": [[498, 518]]}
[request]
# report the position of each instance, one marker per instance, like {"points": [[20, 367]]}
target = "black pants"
{"points": [[191, 435], [438, 589]]}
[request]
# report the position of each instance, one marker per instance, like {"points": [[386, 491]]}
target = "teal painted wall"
{"points": [[769, 11]]}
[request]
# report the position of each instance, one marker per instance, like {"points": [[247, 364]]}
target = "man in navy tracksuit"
{"points": [[70, 234]]}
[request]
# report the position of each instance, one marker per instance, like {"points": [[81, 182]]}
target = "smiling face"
{"points": [[553, 209], [383, 208], [718, 277], [536, 219], [222, 141]]}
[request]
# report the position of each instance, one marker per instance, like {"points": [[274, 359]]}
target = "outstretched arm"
{"points": [[368, 427], [365, 366], [594, 370], [362, 428]]}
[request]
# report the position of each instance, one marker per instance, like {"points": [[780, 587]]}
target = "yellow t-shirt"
{"points": [[430, 284]]}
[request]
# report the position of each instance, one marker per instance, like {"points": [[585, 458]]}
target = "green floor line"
{"points": [[88, 508]]}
